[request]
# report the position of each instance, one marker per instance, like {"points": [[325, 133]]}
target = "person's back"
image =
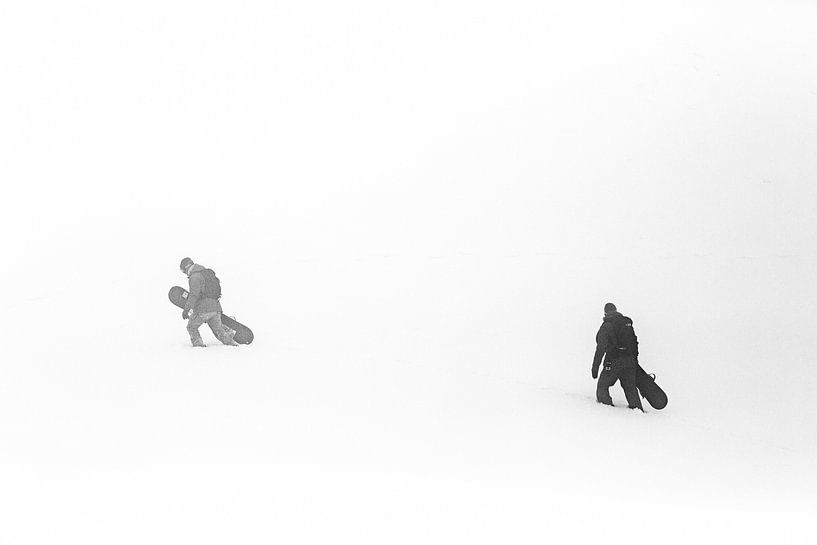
{"points": [[620, 336], [200, 299]]}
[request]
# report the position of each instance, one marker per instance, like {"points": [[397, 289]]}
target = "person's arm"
{"points": [[601, 347]]}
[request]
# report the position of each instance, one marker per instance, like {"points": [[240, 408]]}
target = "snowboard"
{"points": [[243, 334], [649, 389]]}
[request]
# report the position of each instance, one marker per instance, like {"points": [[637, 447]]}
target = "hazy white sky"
{"points": [[422, 126]]}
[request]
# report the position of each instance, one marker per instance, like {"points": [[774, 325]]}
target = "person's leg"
{"points": [[193, 325], [219, 330], [228, 329], [627, 374], [606, 379]]}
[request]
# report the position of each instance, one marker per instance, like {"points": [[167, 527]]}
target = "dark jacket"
{"points": [[196, 301], [606, 343]]}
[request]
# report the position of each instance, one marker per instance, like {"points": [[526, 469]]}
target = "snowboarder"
{"points": [[616, 341], [202, 305]]}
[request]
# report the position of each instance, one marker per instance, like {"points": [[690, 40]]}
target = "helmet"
{"points": [[186, 262]]}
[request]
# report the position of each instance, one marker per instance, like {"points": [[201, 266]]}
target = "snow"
{"points": [[420, 209]]}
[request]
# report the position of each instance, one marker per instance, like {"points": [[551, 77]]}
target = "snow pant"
{"points": [[212, 319], [623, 369]]}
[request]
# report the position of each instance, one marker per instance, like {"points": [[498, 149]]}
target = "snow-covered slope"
{"points": [[420, 210]]}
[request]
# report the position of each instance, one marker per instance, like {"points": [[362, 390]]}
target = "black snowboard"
{"points": [[243, 334], [650, 391]]}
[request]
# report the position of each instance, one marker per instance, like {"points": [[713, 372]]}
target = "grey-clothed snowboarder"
{"points": [[616, 341], [202, 304]]}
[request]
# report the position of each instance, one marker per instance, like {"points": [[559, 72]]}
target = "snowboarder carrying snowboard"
{"points": [[202, 305], [616, 341]]}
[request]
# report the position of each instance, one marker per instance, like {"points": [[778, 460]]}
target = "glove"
{"points": [[595, 372], [185, 314]]}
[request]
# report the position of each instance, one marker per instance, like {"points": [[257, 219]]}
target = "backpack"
{"points": [[212, 285], [625, 338]]}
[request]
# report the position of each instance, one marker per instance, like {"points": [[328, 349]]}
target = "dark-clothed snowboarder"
{"points": [[202, 304], [617, 343]]}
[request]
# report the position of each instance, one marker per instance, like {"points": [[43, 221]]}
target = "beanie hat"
{"points": [[186, 262], [609, 307]]}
